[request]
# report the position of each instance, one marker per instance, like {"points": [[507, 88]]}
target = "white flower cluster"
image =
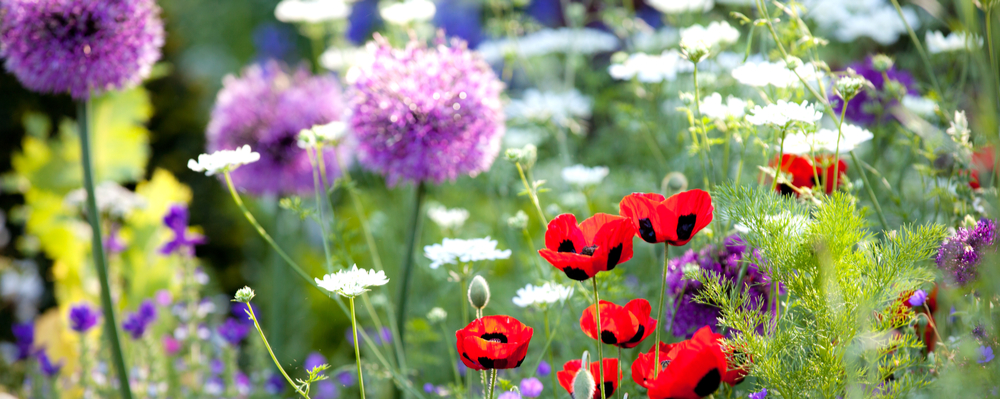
{"points": [[826, 140], [775, 74], [582, 175], [681, 6], [330, 133], [352, 282], [453, 251], [341, 58], [408, 11], [111, 198], [649, 68], [783, 112], [549, 41], [559, 107], [448, 218], [716, 34], [223, 160], [713, 107], [650, 41], [919, 105], [311, 11], [540, 295], [937, 42], [848, 20]]}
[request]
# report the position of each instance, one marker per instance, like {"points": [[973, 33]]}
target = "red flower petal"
{"points": [[641, 309], [564, 236], [692, 211], [575, 266], [618, 326], [647, 214]]}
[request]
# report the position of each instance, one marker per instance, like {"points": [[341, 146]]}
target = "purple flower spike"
{"points": [[233, 331], [762, 394], [426, 114], [531, 387], [82, 317], [24, 339], [960, 255], [46, 365], [183, 242], [80, 47]]}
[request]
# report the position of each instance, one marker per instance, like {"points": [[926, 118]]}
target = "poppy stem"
{"points": [[600, 349], [407, 270], [619, 371], [493, 382], [357, 352], [663, 288], [83, 110]]}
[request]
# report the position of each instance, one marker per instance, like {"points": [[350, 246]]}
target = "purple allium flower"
{"points": [[217, 366], [918, 298], [136, 323], [531, 387], [985, 354], [79, 46], [726, 261], [426, 113], [170, 345], [183, 242], [346, 378], [960, 255], [428, 387], [113, 243], [325, 389], [275, 384], [233, 331], [46, 365], [266, 108], [314, 360], [861, 107], [544, 369], [24, 339], [762, 394], [509, 395], [82, 317]]}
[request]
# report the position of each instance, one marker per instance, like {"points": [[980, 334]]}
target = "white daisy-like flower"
{"points": [[327, 134], [649, 68], [716, 34], [920, 105], [826, 140], [311, 11], [408, 11], [937, 42], [448, 218], [453, 251], [540, 295], [582, 175], [681, 6], [352, 282], [775, 74], [559, 107], [713, 107], [783, 112], [848, 20], [223, 160], [584, 41], [341, 58], [111, 198]]}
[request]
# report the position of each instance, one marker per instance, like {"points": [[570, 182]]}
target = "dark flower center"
{"points": [[638, 334], [575, 274], [589, 250], [614, 256], [567, 247], [708, 383], [496, 337], [685, 226], [282, 150], [71, 26], [608, 337], [646, 230]]}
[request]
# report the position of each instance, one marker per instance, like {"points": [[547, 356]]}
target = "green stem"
{"points": [[493, 383], [454, 365], [836, 152], [269, 351], [357, 352], [781, 156], [97, 250], [659, 312], [531, 193], [705, 147], [871, 193], [548, 339], [920, 48], [600, 348], [320, 205], [407, 270]]}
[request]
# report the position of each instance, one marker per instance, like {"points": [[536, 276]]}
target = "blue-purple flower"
{"points": [[509, 395], [762, 394], [46, 366], [918, 298], [425, 113], [24, 339], [113, 243], [346, 378], [862, 108], [233, 331], [985, 354], [136, 323], [82, 317], [325, 389], [531, 387], [428, 387], [275, 384], [544, 369], [80, 47], [314, 360], [182, 242], [266, 108], [960, 255]]}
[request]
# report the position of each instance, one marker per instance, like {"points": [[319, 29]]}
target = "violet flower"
{"points": [[82, 317], [960, 255], [24, 339], [862, 107], [46, 365], [233, 331], [183, 242]]}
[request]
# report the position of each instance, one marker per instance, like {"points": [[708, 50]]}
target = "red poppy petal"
{"points": [[610, 377], [563, 235], [614, 243], [693, 374], [647, 215], [575, 266], [567, 374], [692, 211], [617, 325]]}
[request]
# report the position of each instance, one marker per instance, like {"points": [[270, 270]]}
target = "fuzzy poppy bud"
{"points": [[673, 183], [244, 295], [583, 384], [882, 62], [479, 292]]}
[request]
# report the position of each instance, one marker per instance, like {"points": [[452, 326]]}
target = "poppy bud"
{"points": [[583, 385], [673, 183], [585, 358], [479, 292]]}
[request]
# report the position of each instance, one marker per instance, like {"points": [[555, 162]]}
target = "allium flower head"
{"points": [[352, 282], [426, 113], [80, 46], [452, 251], [961, 254], [82, 317], [266, 107]]}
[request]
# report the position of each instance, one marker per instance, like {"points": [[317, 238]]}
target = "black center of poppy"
{"points": [[614, 256], [494, 337], [608, 337], [71, 26], [646, 230], [708, 383], [575, 274], [609, 389], [785, 190], [638, 335], [589, 250], [488, 363], [567, 247], [685, 226]]}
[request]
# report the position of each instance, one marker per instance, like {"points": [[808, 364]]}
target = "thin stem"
{"points": [[705, 147], [407, 269], [836, 152], [273, 358], [920, 48], [320, 205], [97, 250], [930, 321], [871, 193], [619, 371], [781, 161], [600, 347], [493, 383], [357, 352], [659, 312], [454, 365], [548, 339], [531, 193]]}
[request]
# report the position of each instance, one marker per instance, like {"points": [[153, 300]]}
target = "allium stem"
{"points": [[97, 249], [273, 358], [407, 269], [659, 312], [357, 352], [600, 347]]}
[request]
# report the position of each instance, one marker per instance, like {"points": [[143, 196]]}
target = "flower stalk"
{"points": [[659, 312], [357, 351], [297, 388], [407, 269], [600, 348]]}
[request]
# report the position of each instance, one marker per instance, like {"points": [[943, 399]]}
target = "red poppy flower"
{"points": [[600, 243], [804, 172], [693, 368], [493, 342], [620, 326], [675, 220], [570, 368]]}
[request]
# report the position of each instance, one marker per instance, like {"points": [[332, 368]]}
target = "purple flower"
{"points": [[80, 46], [163, 297], [462, 369], [240, 311], [509, 395], [862, 107], [215, 386], [82, 317], [985, 354], [24, 339], [170, 345], [112, 243], [314, 360], [531, 387], [217, 366], [275, 384], [959, 255], [266, 108], [346, 378], [233, 331], [762, 394], [544, 369], [426, 113], [136, 323], [47, 367], [918, 298], [183, 242], [325, 389], [428, 387], [242, 383]]}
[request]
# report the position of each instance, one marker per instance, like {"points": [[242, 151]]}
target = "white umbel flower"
{"points": [[713, 107], [330, 133], [582, 175], [453, 251], [352, 282], [311, 11], [448, 218], [937, 42], [558, 107], [408, 11], [848, 20], [783, 112], [223, 160], [541, 295], [919, 105], [651, 68], [681, 6], [111, 198], [826, 140], [775, 74], [583, 41], [716, 34]]}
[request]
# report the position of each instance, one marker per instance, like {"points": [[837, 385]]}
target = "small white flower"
{"points": [[559, 107], [352, 282], [112, 198], [311, 11], [715, 35], [453, 251], [920, 105], [539, 295], [955, 41], [784, 112], [847, 20], [581, 175], [651, 68], [322, 134], [583, 41], [681, 6], [223, 160], [339, 58], [826, 140], [437, 314], [775, 74], [408, 11], [713, 107], [448, 218]]}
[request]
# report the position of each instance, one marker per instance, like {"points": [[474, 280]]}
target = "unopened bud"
{"points": [[882, 62], [244, 295], [479, 292], [525, 155], [673, 183], [583, 383]]}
